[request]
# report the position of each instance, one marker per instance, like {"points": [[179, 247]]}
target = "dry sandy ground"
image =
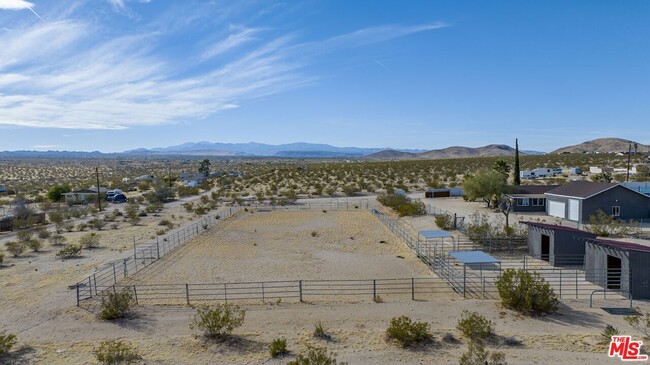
{"points": [[36, 306]]}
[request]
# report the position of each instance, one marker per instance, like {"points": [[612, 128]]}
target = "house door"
{"points": [[613, 272], [546, 247]]}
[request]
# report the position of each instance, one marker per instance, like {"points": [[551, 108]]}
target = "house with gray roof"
{"points": [[578, 200], [529, 198]]}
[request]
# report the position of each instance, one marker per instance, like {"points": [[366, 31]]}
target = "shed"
{"points": [[443, 192], [619, 265], [559, 245], [575, 171]]}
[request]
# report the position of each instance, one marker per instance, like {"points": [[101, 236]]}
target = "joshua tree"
{"points": [[205, 168]]}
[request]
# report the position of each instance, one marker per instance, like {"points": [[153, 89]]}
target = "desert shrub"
{"points": [[407, 332], [15, 247], [219, 321], [7, 341], [166, 223], [116, 352], [639, 322], [82, 227], [69, 252], [316, 356], [34, 244], [477, 355], [68, 227], [526, 292], [160, 232], [320, 331], [43, 233], [402, 205], [116, 213], [24, 235], [116, 304], [444, 221], [97, 223], [475, 326], [608, 332], [278, 347], [605, 225], [90, 240], [115, 226]]}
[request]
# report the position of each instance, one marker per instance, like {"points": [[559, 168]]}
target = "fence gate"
{"points": [[458, 221]]}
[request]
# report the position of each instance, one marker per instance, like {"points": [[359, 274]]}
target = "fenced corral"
{"points": [[145, 255], [569, 280], [288, 291], [333, 205]]}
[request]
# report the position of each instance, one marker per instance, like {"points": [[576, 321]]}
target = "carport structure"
{"points": [[436, 239], [473, 260]]}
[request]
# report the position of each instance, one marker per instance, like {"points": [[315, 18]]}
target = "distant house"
{"points": [[578, 200], [126, 179], [443, 192], [540, 173], [600, 170], [642, 187], [192, 179], [83, 196], [575, 171], [529, 198]]}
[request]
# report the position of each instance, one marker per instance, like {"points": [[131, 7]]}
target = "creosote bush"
{"points": [[69, 252], [526, 292], [7, 341], [444, 221], [90, 240], [407, 332], [116, 352], [15, 247], [402, 205], [639, 322], [218, 322], [34, 244], [116, 304], [316, 356], [477, 355], [475, 326], [278, 347]]}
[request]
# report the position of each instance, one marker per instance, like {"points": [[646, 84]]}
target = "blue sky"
{"points": [[113, 75]]}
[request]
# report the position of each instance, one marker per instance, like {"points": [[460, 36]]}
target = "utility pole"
{"points": [[629, 152], [99, 198]]}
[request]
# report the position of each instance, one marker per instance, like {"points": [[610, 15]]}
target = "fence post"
{"points": [[114, 275], [90, 286], [374, 289], [125, 269], [412, 288], [300, 290], [262, 292], [225, 292], [95, 281], [560, 283], [187, 293], [77, 294], [157, 247], [483, 288], [135, 259], [576, 283], [135, 294]]}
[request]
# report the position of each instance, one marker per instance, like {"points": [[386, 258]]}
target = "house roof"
{"points": [[531, 189], [581, 189], [621, 245], [555, 227]]}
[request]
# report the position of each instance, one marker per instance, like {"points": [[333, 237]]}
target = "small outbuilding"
{"points": [[559, 245], [443, 192], [619, 266]]}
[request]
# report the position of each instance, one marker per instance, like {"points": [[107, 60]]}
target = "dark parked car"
{"points": [[119, 198]]}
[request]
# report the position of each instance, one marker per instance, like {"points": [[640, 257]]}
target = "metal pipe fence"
{"points": [[296, 291]]}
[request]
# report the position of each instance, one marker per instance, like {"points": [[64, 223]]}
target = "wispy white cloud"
{"points": [[15, 5], [60, 75]]}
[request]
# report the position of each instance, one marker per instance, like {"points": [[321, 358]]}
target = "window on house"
{"points": [[616, 210], [522, 202], [537, 202]]}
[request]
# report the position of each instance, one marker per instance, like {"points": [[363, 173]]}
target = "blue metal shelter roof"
{"points": [[474, 257], [435, 234]]}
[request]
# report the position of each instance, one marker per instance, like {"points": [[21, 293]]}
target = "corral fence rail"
{"points": [[270, 291], [150, 252]]}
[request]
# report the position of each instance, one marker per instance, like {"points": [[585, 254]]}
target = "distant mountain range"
{"points": [[299, 149], [604, 145], [314, 150]]}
